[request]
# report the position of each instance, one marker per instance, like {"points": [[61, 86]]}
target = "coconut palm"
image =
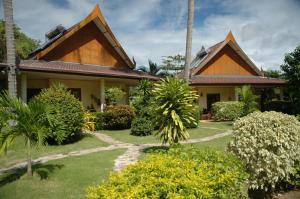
{"points": [[174, 100], [153, 69], [188, 51], [21, 120], [10, 46], [248, 98]]}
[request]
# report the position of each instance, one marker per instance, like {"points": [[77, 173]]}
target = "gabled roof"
{"points": [[198, 64], [95, 16]]}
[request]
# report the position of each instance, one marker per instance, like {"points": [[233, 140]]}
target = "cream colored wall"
{"points": [[226, 94]]}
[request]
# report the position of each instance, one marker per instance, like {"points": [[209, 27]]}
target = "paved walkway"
{"points": [[129, 157]]}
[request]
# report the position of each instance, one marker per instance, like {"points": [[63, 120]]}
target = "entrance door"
{"points": [[212, 98]]}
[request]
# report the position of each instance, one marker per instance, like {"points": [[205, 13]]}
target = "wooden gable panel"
{"points": [[87, 46], [227, 62]]}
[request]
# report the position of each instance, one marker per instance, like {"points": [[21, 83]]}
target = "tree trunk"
{"points": [[188, 51], [10, 47], [29, 166]]}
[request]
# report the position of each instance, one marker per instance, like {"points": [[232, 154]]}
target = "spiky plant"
{"points": [[174, 100], [248, 98], [21, 120]]}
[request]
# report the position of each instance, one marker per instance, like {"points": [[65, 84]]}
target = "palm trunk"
{"points": [[10, 47], [29, 166], [188, 51]]}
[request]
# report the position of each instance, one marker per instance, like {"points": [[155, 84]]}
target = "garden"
{"points": [[63, 150]]}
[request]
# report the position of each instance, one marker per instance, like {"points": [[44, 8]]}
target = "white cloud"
{"points": [[265, 29]]}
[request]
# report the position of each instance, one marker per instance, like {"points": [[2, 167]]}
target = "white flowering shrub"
{"points": [[268, 143]]}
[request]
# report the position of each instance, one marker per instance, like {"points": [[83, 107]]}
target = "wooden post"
{"points": [[24, 87], [102, 94]]}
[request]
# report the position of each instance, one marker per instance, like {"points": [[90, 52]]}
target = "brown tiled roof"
{"points": [[82, 69], [235, 80]]}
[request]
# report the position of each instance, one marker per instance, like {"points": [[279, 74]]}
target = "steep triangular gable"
{"points": [[91, 41], [227, 59]]}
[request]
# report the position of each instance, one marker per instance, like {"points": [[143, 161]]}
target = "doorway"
{"points": [[212, 98]]}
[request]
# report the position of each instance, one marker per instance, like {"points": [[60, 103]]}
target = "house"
{"points": [[87, 58], [217, 71]]}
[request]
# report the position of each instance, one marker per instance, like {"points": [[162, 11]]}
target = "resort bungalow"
{"points": [[219, 70], [87, 58]]}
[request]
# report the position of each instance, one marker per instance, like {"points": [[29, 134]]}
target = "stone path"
{"points": [[129, 157]]}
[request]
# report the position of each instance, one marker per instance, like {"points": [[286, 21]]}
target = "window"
{"points": [[76, 92]]}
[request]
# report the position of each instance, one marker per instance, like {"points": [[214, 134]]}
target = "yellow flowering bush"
{"points": [[169, 175], [268, 143]]}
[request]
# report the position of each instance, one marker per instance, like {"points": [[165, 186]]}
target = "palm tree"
{"points": [[248, 98], [20, 119], [10, 47], [188, 51], [153, 69]]}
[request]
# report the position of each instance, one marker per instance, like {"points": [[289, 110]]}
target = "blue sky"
{"points": [[150, 29]]}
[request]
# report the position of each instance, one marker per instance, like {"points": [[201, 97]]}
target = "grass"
{"points": [[65, 178], [17, 152], [218, 144], [204, 129]]}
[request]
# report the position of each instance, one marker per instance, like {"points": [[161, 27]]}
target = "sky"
{"points": [[151, 29]]}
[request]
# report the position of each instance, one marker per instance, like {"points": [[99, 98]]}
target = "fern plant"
{"points": [[174, 100]]}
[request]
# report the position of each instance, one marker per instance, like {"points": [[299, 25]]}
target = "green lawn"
{"points": [[17, 152], [218, 144], [204, 129], [64, 178]]}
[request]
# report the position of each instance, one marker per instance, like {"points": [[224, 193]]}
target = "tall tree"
{"points": [[188, 51], [173, 64], [10, 47], [291, 72], [19, 119]]}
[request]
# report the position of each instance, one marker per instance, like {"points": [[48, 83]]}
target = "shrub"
{"points": [[174, 100], [295, 176], [66, 114], [118, 117], [206, 175], [196, 115], [279, 106], [141, 126], [113, 95], [227, 111], [268, 144], [99, 121]]}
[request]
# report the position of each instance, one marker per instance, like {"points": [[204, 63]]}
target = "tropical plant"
{"points": [[248, 98], [172, 65], [174, 101], [291, 72], [66, 114], [268, 143], [114, 95], [89, 122], [22, 120], [182, 173], [189, 34], [152, 69], [141, 126]]}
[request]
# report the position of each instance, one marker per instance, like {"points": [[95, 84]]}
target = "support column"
{"points": [[102, 94], [24, 87], [281, 93], [236, 95]]}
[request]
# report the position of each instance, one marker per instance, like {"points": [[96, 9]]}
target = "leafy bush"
{"points": [[174, 100], [66, 114], [99, 120], [89, 121], [118, 117], [279, 106], [268, 143], [227, 111], [181, 174], [141, 126], [196, 115], [113, 95], [295, 176]]}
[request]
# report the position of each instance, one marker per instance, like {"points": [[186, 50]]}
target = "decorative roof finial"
{"points": [[230, 37]]}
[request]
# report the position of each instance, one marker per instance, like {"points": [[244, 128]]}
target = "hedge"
{"points": [[227, 111], [118, 117]]}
